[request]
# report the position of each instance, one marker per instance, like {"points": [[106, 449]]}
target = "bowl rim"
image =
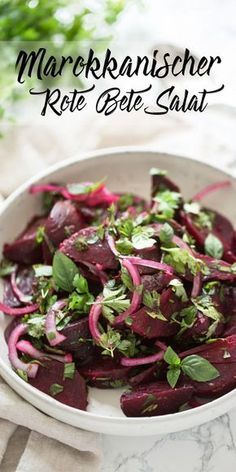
{"points": [[6, 370]]}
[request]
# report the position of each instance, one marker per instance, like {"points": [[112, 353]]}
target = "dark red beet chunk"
{"points": [[74, 390], [25, 248], [155, 399], [149, 327], [105, 373], [223, 384], [96, 253], [150, 253], [160, 182], [230, 327], [77, 335], [62, 221], [221, 351], [199, 328], [222, 229], [146, 376], [157, 281]]}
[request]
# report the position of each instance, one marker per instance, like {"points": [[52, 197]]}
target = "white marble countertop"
{"points": [[207, 448]]}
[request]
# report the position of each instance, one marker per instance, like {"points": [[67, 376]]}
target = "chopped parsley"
{"points": [[55, 389]]}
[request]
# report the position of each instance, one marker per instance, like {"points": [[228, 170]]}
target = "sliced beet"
{"points": [[151, 253], [222, 351], [157, 281], [150, 327], [74, 391], [105, 373], [222, 228], [78, 339], [221, 385], [63, 221], [97, 252], [198, 330], [145, 376], [161, 182], [155, 399], [25, 248], [230, 327]]}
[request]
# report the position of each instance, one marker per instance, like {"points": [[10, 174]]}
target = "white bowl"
{"points": [[126, 170]]}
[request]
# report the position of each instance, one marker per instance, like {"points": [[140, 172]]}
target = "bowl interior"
{"points": [[125, 171]]}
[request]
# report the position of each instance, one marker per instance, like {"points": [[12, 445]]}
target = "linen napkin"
{"points": [[52, 446]]}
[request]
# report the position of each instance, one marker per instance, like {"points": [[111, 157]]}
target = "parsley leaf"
{"points": [[69, 370], [141, 237], [193, 208], [179, 290], [55, 389], [213, 246], [166, 233], [114, 300], [84, 188], [124, 246], [168, 202], [180, 258], [151, 299]]}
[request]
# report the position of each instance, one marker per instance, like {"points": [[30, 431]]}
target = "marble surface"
{"points": [[208, 448]]}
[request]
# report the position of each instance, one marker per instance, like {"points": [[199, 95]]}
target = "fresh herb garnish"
{"points": [[213, 246], [84, 188], [42, 270], [80, 299], [81, 243], [111, 340], [194, 366], [64, 271], [180, 259], [166, 233], [55, 389], [168, 201], [179, 290], [193, 208], [6, 268], [40, 235], [69, 370], [114, 300]]}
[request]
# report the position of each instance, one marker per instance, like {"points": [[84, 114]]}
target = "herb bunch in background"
{"points": [[54, 21]]}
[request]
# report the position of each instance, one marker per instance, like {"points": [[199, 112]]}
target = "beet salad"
{"points": [[108, 290]]}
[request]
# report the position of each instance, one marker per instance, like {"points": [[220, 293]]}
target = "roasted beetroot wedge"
{"points": [[84, 246], [157, 281], [145, 376], [25, 249], [105, 373], [217, 387], [78, 339], [155, 399], [221, 228], [63, 221], [147, 325], [50, 380], [161, 182]]}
